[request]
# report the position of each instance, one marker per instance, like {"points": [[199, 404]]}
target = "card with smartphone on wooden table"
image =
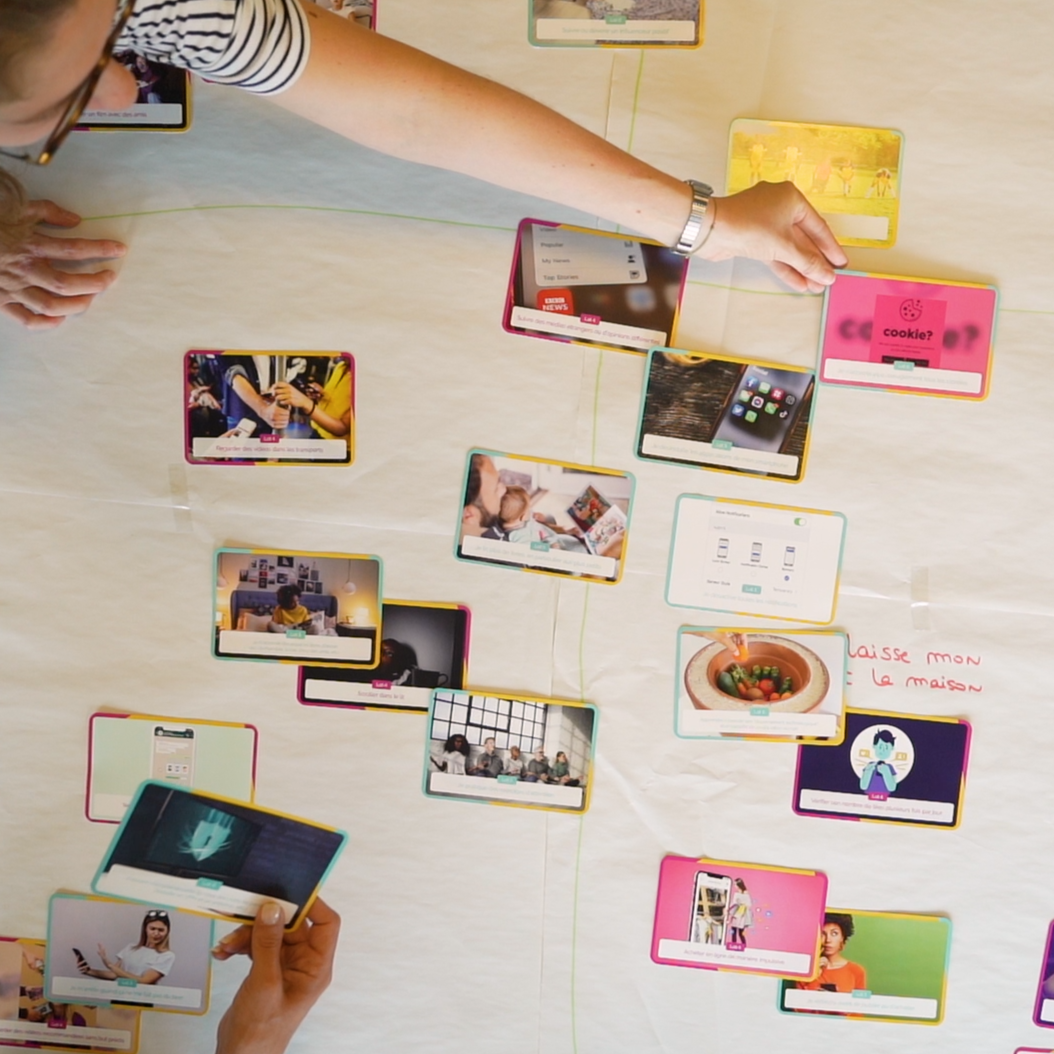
{"points": [[727, 414]]}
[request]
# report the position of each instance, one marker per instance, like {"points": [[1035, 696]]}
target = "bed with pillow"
{"points": [[251, 610]]}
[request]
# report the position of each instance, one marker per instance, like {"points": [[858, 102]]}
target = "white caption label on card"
{"points": [[888, 373], [588, 31], [234, 448], [706, 453], [572, 327], [748, 959], [871, 1006], [74, 988], [72, 1035], [887, 809], [278, 645], [167, 113], [491, 790], [358, 692], [523, 555], [719, 722]]}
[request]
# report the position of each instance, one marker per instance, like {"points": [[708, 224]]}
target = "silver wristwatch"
{"points": [[701, 195]]}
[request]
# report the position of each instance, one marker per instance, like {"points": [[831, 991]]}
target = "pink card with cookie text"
{"points": [[908, 335], [748, 918]]}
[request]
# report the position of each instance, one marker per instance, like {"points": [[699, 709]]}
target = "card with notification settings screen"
{"points": [[747, 918], [851, 176], [28, 1019], [215, 856], [749, 558], [105, 951], [217, 757], [876, 965], [914, 335], [425, 646], [891, 768], [726, 414], [592, 287], [616, 23]]}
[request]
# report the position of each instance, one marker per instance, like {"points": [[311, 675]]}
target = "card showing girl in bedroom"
{"points": [[319, 608]]}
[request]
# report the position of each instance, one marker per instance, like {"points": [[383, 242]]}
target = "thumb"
{"points": [[268, 935]]}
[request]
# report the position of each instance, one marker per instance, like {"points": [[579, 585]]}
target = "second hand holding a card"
{"points": [[290, 970]]}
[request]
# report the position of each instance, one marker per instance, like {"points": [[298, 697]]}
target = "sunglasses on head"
{"points": [[162, 915]]}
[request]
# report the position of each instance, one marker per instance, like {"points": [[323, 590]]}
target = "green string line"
{"points": [[472, 226], [636, 100]]}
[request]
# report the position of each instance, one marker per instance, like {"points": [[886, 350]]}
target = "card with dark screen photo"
{"points": [[162, 103], [726, 414], [890, 768], [425, 646], [216, 856]]}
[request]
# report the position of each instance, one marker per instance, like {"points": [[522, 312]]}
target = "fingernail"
{"points": [[270, 913]]}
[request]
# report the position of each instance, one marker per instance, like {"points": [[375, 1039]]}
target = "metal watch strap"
{"points": [[701, 195]]}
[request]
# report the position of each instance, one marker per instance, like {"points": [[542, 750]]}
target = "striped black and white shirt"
{"points": [[259, 45]]}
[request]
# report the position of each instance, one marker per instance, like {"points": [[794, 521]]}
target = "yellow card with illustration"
{"points": [[851, 176]]}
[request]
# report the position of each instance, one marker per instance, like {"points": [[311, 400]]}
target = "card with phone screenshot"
{"points": [[851, 176], [547, 516], [890, 768], [319, 608], [215, 856], [217, 757], [425, 646], [911, 335], [877, 965], [749, 558], [269, 408], [30, 1020], [505, 749], [106, 951], [726, 414], [616, 23], [163, 101], [361, 12], [592, 287], [1043, 1013], [747, 918], [743, 683]]}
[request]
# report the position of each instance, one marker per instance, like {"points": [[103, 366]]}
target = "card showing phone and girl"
{"points": [[889, 768], [544, 516], [748, 918], [750, 558], [747, 683], [876, 965], [216, 757], [615, 23], [104, 952], [914, 335], [317, 608], [30, 1019], [506, 749], [269, 408], [725, 413], [592, 287], [184, 849], [425, 646]]}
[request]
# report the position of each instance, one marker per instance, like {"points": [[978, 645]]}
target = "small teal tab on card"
{"points": [[615, 20], [126, 982], [507, 779], [861, 993], [759, 711], [901, 364], [748, 588], [209, 883], [542, 547], [296, 633], [722, 444]]}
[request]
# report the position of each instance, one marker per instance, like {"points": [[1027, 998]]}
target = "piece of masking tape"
{"points": [[177, 486], [920, 597]]}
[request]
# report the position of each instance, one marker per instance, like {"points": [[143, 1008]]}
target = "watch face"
{"points": [[702, 188]]}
